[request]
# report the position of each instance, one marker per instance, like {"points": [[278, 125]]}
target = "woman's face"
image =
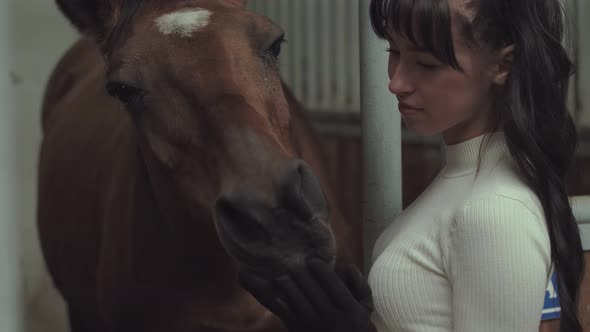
{"points": [[435, 98]]}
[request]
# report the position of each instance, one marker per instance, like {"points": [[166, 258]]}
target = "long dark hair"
{"points": [[531, 107]]}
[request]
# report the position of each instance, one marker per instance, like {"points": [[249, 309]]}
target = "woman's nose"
{"points": [[399, 82]]}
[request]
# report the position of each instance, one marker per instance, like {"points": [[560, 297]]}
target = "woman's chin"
{"points": [[421, 130]]}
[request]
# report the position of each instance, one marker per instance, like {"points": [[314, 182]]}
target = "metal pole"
{"points": [[381, 130], [581, 208]]}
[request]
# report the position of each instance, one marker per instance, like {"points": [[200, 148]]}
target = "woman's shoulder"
{"points": [[508, 202], [500, 210], [510, 215], [502, 197], [504, 187]]}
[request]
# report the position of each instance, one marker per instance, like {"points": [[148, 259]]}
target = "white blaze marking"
{"points": [[183, 22]]}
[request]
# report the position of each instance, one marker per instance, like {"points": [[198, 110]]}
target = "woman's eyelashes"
{"points": [[424, 64], [392, 51], [427, 66]]}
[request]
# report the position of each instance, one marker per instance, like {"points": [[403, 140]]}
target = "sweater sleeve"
{"points": [[499, 259]]}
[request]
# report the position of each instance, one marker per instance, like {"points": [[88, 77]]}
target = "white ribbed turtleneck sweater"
{"points": [[471, 254]]}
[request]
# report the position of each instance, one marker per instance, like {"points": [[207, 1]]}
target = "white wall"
{"points": [[10, 311], [33, 35]]}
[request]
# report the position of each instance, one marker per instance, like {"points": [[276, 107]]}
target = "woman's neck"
{"points": [[483, 121], [477, 153]]}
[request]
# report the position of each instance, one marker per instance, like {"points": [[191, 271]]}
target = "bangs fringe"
{"points": [[426, 23]]}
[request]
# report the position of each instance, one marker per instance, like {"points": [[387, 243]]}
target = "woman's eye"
{"points": [[126, 93], [393, 51], [274, 50]]}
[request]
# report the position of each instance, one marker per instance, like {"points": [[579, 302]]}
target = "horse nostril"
{"points": [[303, 195], [240, 220]]}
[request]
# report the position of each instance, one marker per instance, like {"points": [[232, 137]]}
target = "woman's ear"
{"points": [[504, 65], [90, 17]]}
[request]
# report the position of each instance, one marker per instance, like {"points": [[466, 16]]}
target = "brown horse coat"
{"points": [[120, 264]]}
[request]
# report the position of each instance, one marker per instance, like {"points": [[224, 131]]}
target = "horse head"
{"points": [[199, 80]]}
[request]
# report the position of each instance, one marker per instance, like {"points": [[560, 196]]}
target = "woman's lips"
{"points": [[406, 109]]}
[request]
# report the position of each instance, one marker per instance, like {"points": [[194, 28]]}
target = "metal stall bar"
{"points": [[286, 17], [354, 55], [381, 137], [341, 41], [296, 44], [326, 45]]}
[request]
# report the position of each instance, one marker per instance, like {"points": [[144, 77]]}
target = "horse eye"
{"points": [[275, 48], [124, 92]]}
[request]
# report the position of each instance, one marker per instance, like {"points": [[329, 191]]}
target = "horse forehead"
{"points": [[184, 22]]}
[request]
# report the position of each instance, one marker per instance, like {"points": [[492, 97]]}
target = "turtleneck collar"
{"points": [[464, 158]]}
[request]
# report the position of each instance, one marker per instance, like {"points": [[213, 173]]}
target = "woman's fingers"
{"points": [[284, 313], [261, 289], [333, 285], [267, 294], [344, 273], [361, 287], [295, 299], [358, 282], [313, 291]]}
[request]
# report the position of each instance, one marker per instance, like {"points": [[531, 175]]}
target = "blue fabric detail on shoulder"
{"points": [[551, 307]]}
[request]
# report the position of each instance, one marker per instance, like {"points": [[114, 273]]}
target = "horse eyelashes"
{"points": [[275, 48]]}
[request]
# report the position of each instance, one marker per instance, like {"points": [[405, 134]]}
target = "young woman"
{"points": [[476, 250]]}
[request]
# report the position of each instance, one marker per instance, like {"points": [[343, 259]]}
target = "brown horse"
{"points": [[149, 204]]}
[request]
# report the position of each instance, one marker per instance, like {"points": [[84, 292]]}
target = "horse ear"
{"points": [[90, 17]]}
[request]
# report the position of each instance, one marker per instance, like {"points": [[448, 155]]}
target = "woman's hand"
{"points": [[316, 298]]}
